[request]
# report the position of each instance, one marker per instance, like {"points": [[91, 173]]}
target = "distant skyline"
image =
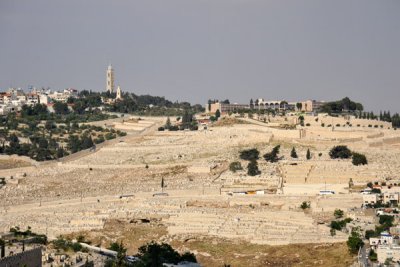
{"points": [[201, 49]]}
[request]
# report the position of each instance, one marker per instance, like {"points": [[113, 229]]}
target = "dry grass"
{"points": [[12, 163], [217, 252], [226, 121]]}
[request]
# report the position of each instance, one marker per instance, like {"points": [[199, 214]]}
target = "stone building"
{"points": [[110, 79]]}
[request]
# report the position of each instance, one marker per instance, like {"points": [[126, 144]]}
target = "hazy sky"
{"points": [[199, 49]]}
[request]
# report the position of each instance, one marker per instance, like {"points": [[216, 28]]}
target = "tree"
{"points": [[341, 152], [293, 153], [305, 205], [249, 154], [386, 220], [168, 124], [235, 166], [153, 254], [217, 114], [120, 260], [338, 213], [354, 242], [299, 106], [359, 159], [2, 248], [60, 108], [252, 168], [49, 125], [301, 119], [273, 155], [87, 142], [74, 144], [308, 155]]}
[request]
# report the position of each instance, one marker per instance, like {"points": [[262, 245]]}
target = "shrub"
{"points": [[359, 159], [341, 152], [323, 124], [307, 124], [235, 166], [161, 129], [305, 205]]}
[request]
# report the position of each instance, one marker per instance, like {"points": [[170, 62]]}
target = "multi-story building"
{"points": [[225, 107]]}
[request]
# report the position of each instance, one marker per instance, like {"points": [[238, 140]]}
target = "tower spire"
{"points": [[110, 79]]}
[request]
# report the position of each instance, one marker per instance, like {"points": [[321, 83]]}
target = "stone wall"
{"points": [[31, 258]]}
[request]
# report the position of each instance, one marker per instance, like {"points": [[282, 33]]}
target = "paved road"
{"points": [[362, 256]]}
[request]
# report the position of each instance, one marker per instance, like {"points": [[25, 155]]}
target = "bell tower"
{"points": [[110, 79]]}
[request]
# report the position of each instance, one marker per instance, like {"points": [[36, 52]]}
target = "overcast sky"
{"points": [[194, 50]]}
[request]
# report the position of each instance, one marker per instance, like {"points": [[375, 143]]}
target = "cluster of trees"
{"points": [[62, 114], [339, 224], [252, 155], [35, 134], [395, 119], [343, 152], [67, 245], [385, 222], [152, 105], [344, 105], [28, 233], [151, 254], [354, 242], [187, 122], [273, 155]]}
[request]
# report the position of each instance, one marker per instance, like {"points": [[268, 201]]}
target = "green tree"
{"points": [[60, 108], [293, 153], [273, 155], [354, 242], [217, 114], [341, 152], [74, 144], [305, 205], [86, 142], [252, 168], [153, 254], [359, 159], [301, 119], [338, 213], [249, 154], [235, 166], [2, 248], [308, 155]]}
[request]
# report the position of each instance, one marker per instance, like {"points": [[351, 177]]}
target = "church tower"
{"points": [[119, 93], [110, 79]]}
